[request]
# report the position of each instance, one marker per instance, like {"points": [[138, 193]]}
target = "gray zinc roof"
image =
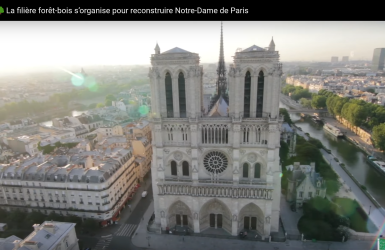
{"points": [[175, 50], [253, 48]]}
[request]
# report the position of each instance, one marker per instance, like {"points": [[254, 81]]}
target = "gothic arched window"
{"points": [[246, 101], [245, 170], [182, 95], [257, 170], [185, 168], [169, 101], [260, 89], [173, 168], [258, 135]]}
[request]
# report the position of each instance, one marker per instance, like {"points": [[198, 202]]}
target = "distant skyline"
{"points": [[49, 44]]}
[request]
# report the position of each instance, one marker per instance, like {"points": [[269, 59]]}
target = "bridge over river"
{"points": [[294, 107]]}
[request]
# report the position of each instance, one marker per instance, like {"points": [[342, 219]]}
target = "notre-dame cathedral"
{"points": [[216, 165]]}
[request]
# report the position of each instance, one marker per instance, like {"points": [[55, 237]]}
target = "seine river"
{"points": [[347, 153]]}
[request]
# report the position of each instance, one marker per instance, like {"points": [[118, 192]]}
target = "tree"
{"points": [[283, 151], [318, 102], [16, 217], [90, 224], [379, 136], [339, 103], [74, 219], [3, 213], [305, 103], [332, 187], [100, 105], [108, 100], [300, 93], [357, 114], [35, 218], [54, 216], [286, 116], [288, 89], [92, 105], [308, 152]]}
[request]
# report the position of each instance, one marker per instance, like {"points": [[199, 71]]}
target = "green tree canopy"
{"points": [[300, 93], [90, 224], [318, 102], [100, 105], [305, 103], [108, 100], [288, 89], [379, 136], [286, 116]]}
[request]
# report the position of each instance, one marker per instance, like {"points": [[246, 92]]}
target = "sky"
{"points": [[39, 44]]}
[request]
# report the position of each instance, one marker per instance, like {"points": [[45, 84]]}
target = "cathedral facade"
{"points": [[216, 166]]}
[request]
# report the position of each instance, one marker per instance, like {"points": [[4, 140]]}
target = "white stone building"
{"points": [[120, 105], [89, 184], [47, 236], [218, 171]]}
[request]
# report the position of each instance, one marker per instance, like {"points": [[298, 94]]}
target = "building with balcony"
{"points": [[132, 131], [216, 169], [142, 149], [89, 184]]}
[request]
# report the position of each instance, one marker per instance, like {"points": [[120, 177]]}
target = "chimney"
{"points": [[312, 166], [17, 244], [296, 165], [36, 227], [31, 244], [49, 227]]}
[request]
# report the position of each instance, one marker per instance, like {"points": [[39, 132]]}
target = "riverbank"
{"points": [[352, 137], [351, 188]]}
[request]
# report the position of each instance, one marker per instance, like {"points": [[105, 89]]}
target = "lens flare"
{"points": [[280, 175], [143, 110], [91, 84], [77, 79]]}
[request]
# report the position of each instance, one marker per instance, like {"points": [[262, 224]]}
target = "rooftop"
{"points": [[253, 48], [47, 235], [175, 50]]}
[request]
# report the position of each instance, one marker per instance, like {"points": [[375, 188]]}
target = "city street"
{"points": [[117, 236]]}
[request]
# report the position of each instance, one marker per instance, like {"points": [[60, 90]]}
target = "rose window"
{"points": [[215, 162]]}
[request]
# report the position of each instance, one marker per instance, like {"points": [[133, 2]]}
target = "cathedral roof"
{"points": [[220, 108], [176, 50], [253, 48]]}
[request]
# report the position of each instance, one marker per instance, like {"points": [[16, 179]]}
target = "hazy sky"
{"points": [[81, 43]]}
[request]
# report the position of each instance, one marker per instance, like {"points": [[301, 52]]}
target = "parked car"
{"points": [[144, 194]]}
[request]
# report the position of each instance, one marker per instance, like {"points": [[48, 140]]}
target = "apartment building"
{"points": [[89, 184]]}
